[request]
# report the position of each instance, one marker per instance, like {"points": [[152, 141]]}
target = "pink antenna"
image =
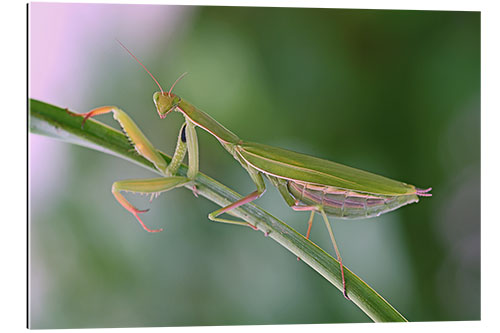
{"points": [[133, 56], [173, 85]]}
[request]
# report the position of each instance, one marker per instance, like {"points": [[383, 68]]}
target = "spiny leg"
{"points": [[143, 146], [153, 186], [337, 252], [140, 142]]}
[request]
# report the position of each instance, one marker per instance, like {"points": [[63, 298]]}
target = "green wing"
{"points": [[300, 167]]}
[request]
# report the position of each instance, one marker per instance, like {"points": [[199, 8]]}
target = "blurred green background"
{"points": [[392, 92]]}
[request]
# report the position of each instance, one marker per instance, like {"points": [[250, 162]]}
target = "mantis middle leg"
{"points": [[261, 188]]}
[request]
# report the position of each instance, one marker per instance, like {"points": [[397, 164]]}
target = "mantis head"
{"points": [[165, 103]]}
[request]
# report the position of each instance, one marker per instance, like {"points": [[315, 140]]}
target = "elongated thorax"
{"points": [[209, 124]]}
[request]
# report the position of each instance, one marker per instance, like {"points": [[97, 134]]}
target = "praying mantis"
{"points": [[306, 183]]}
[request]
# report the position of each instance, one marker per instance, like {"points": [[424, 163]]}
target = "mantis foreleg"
{"points": [[186, 142], [141, 143]]}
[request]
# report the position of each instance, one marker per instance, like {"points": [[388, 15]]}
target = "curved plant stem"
{"points": [[55, 122]]}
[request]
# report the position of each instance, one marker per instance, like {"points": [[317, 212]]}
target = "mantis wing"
{"points": [[299, 167]]}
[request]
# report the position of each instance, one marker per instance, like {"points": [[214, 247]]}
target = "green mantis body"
{"points": [[306, 183]]}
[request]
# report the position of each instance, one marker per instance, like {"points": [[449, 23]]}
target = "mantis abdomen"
{"points": [[347, 204]]}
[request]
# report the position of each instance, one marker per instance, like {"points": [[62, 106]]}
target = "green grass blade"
{"points": [[49, 120]]}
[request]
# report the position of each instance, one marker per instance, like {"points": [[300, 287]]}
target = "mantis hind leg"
{"points": [[281, 184], [337, 252], [320, 209]]}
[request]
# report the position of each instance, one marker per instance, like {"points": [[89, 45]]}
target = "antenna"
{"points": [[173, 85], [133, 56]]}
